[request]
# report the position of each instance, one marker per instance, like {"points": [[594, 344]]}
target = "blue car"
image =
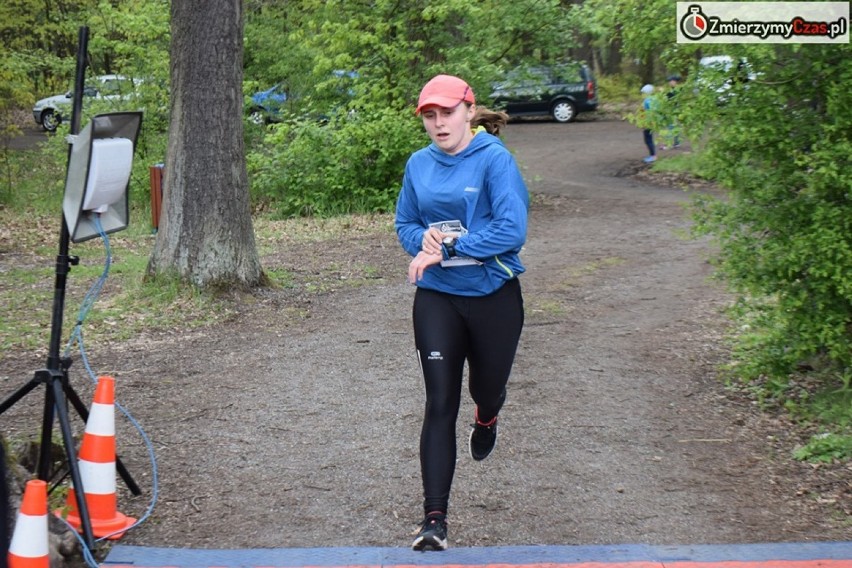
{"points": [[327, 97], [266, 105]]}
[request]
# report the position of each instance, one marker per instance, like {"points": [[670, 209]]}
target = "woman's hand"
{"points": [[421, 262], [432, 241]]}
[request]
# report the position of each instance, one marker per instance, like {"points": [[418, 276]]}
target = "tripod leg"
{"points": [[73, 466], [84, 414], [19, 394], [45, 461]]}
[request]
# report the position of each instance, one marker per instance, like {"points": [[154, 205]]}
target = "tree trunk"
{"points": [[205, 234], [647, 71], [612, 59]]}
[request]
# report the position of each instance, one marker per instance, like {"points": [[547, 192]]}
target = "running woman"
{"points": [[462, 215]]}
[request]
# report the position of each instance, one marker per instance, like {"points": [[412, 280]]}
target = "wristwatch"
{"points": [[449, 246]]}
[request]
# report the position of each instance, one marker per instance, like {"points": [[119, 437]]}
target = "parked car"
{"points": [[51, 111], [721, 72], [561, 91], [266, 105], [271, 104]]}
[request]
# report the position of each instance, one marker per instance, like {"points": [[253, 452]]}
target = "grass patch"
{"points": [[826, 447], [592, 267], [281, 278], [574, 273], [125, 306], [827, 410], [273, 232], [692, 164], [32, 181], [547, 308], [128, 304]]}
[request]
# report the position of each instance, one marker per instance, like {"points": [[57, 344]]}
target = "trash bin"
{"points": [[156, 172]]}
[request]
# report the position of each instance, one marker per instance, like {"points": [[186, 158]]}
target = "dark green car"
{"points": [[561, 91]]}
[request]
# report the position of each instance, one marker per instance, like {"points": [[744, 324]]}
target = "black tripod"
{"points": [[55, 376]]}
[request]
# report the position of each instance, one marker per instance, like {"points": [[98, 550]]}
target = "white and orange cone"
{"points": [[97, 469], [29, 546]]}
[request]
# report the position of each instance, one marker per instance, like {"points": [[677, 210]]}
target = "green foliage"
{"points": [[130, 37], [354, 160], [623, 88], [780, 145], [826, 448], [13, 94], [643, 30], [353, 163], [44, 36], [269, 55], [35, 180], [14, 86], [645, 25]]}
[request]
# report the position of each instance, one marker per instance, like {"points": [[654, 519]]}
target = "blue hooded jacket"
{"points": [[480, 186]]}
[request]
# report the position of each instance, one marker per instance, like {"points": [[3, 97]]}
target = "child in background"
{"points": [[647, 106]]}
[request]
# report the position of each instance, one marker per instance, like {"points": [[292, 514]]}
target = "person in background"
{"points": [[648, 107], [671, 107], [462, 216]]}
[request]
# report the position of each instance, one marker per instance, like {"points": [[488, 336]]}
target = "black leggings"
{"points": [[449, 329]]}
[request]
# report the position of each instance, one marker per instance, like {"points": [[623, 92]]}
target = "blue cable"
{"points": [[77, 336]]}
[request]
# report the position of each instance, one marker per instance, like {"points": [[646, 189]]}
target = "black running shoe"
{"points": [[432, 535], [483, 438]]}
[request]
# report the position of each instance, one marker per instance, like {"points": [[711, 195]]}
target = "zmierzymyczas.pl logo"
{"points": [[694, 25], [763, 22]]}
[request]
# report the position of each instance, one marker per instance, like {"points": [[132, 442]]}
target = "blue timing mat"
{"points": [[778, 555]]}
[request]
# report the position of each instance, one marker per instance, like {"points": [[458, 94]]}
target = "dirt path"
{"points": [[296, 424]]}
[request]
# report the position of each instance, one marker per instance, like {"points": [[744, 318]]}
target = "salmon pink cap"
{"points": [[445, 91]]}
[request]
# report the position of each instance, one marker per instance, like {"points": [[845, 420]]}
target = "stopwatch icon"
{"points": [[694, 25]]}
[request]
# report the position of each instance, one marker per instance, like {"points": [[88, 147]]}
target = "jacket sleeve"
{"points": [[507, 229], [409, 225]]}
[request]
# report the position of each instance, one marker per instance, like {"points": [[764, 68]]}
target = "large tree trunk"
{"points": [[205, 233]]}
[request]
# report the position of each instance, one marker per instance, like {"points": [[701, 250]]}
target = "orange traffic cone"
{"points": [[97, 469], [29, 547]]}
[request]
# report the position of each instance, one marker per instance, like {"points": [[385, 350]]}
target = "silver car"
{"points": [[50, 112]]}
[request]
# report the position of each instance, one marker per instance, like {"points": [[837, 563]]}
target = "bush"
{"points": [[780, 146], [351, 164]]}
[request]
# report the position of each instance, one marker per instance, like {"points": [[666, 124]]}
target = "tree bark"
{"points": [[206, 235]]}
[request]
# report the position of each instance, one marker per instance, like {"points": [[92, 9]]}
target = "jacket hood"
{"points": [[481, 141]]}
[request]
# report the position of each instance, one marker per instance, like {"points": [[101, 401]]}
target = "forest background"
{"points": [[779, 148]]}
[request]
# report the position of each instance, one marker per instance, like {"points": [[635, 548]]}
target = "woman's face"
{"points": [[449, 128]]}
